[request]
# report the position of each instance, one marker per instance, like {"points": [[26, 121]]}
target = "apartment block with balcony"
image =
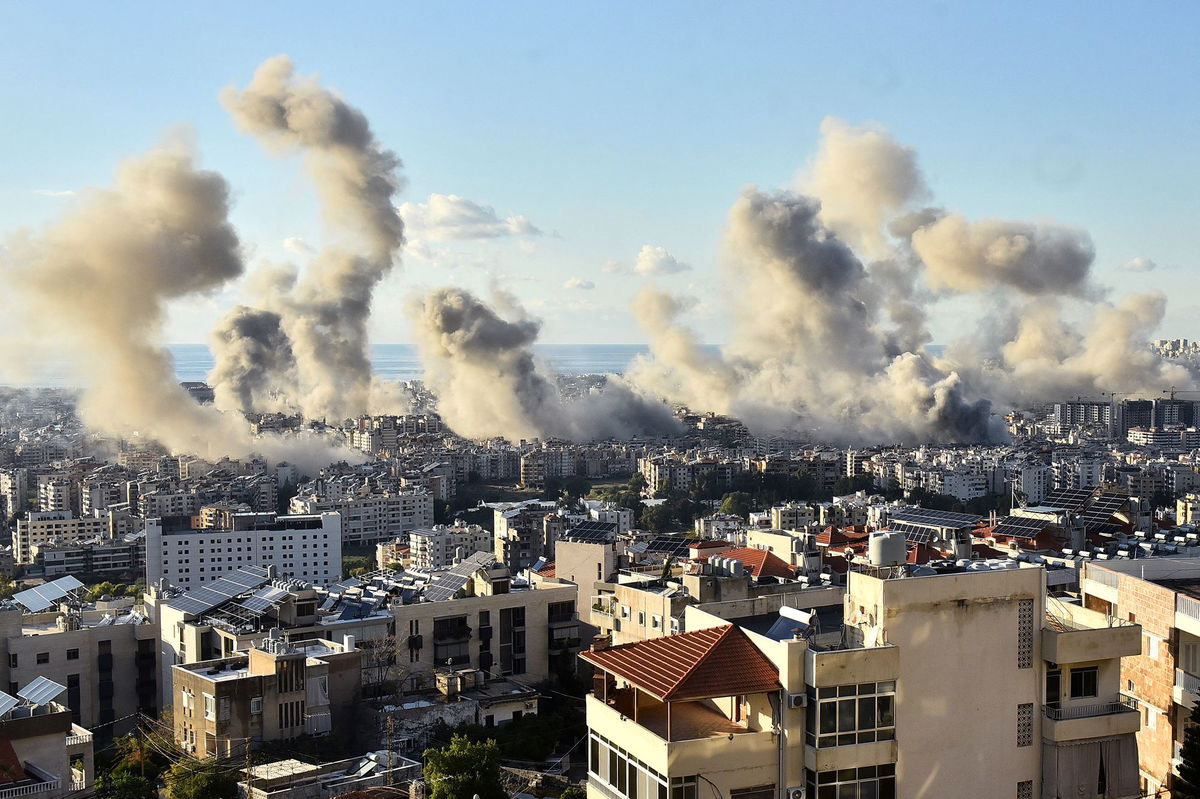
{"points": [[43, 753], [1162, 595], [277, 691], [932, 686]]}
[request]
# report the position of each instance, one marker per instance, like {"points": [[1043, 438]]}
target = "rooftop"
{"points": [[718, 661]]}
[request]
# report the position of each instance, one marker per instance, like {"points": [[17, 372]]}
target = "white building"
{"points": [[308, 547], [439, 547], [373, 517]]}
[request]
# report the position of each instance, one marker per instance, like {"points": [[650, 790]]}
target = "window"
{"points": [[12, 661], [869, 781], [210, 707], [623, 773], [256, 705], [43, 657], [844, 715], [641, 618], [1084, 682]]}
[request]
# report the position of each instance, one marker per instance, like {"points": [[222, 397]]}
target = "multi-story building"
{"points": [[307, 547], [1186, 438], [1187, 509], [42, 527], [112, 556], [277, 691], [44, 753], [103, 653], [1162, 595], [438, 548], [793, 516], [769, 707], [373, 517], [519, 532]]}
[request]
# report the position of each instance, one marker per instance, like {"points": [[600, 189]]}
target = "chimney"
{"points": [[601, 642]]}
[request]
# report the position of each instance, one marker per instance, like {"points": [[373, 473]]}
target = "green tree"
{"points": [[463, 769], [1187, 785], [125, 785], [657, 518], [201, 779], [737, 503], [573, 792]]}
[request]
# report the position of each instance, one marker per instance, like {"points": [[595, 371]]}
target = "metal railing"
{"points": [[1188, 682], [1187, 606], [1056, 713], [1102, 576]]}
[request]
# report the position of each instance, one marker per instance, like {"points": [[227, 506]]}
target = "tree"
{"points": [[201, 779], [1187, 786], [657, 518], [573, 792], [737, 503], [125, 785], [464, 769]]}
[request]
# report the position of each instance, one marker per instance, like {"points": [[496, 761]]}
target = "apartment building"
{"points": [[438, 548], [43, 753], [1187, 509], [373, 517], [519, 532], [42, 527], [793, 516], [307, 547], [1162, 595], [771, 707], [107, 556], [277, 691], [103, 653]]}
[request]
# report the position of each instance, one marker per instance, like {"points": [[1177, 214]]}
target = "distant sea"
{"points": [[400, 361]]}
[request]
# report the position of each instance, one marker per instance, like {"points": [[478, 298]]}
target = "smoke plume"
{"points": [[488, 382], [325, 315], [94, 288]]}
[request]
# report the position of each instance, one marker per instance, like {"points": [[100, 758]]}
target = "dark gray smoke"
{"points": [[254, 365]]}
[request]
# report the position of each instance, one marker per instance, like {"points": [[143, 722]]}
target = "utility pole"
{"points": [[391, 729]]}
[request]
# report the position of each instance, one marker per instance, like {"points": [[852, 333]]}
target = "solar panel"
{"points": [[1021, 526], [46, 596], [7, 703], [671, 545], [591, 532], [1102, 509], [1069, 498], [914, 534], [934, 518], [449, 584], [41, 691], [206, 597]]}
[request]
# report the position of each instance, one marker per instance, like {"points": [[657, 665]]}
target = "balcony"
{"points": [[36, 782], [850, 661], [699, 737], [1081, 722], [1187, 689], [78, 735], [1075, 634]]}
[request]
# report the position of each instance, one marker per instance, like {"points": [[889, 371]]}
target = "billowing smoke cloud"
{"points": [[94, 288], [325, 315], [964, 256], [828, 345], [253, 360], [482, 368], [863, 177]]}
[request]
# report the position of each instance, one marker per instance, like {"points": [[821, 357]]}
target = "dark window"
{"points": [[12, 661], [43, 657], [1084, 682]]}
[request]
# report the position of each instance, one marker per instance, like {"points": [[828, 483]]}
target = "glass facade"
{"points": [[844, 715]]}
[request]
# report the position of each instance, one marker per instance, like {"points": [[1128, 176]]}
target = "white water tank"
{"points": [[887, 549]]}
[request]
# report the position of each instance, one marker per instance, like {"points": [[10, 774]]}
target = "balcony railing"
{"points": [[1188, 682], [30, 790], [1057, 713], [1187, 606], [78, 735]]}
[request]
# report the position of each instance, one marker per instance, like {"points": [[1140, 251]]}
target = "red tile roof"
{"points": [[719, 661], [547, 570], [760, 562]]}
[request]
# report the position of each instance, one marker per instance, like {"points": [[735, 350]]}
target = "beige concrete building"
{"points": [[42, 527], [104, 653], [1162, 595], [277, 691], [437, 548], [949, 685], [372, 517], [43, 753], [1187, 509]]}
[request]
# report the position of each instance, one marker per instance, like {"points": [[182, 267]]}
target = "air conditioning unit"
{"points": [[797, 700], [795, 793]]}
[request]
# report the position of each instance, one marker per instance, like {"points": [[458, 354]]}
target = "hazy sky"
{"points": [[565, 137]]}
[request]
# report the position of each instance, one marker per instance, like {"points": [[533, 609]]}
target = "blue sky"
{"points": [[617, 125]]}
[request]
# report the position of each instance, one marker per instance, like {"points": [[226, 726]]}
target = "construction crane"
{"points": [[1173, 391]]}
